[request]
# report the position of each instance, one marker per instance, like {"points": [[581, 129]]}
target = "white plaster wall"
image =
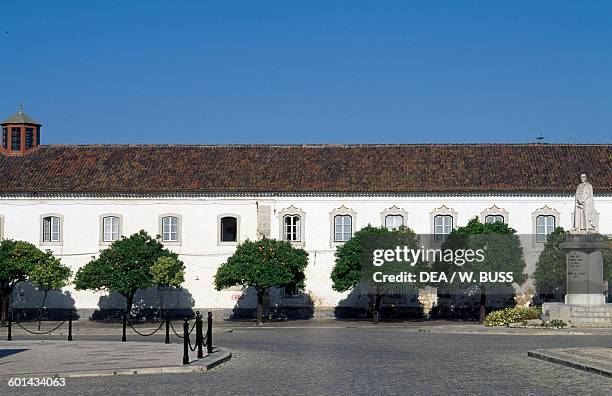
{"points": [[202, 254]]}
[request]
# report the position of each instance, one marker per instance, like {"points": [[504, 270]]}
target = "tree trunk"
{"points": [[377, 302], [40, 314], [483, 304], [260, 298], [5, 296], [129, 300]]}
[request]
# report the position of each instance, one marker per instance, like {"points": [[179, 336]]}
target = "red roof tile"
{"points": [[481, 168]]}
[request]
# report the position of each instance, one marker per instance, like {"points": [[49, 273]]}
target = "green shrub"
{"points": [[504, 317], [555, 324]]}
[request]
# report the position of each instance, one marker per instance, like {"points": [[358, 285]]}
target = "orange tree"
{"points": [[129, 264], [261, 265], [354, 263]]}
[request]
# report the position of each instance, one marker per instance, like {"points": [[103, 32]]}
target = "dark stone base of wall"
{"points": [[386, 313], [33, 314]]}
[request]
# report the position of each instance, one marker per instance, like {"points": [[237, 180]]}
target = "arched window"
{"points": [[292, 228], [110, 228], [170, 229], [545, 224], [443, 225], [229, 229], [343, 228], [394, 221], [51, 229], [494, 219]]}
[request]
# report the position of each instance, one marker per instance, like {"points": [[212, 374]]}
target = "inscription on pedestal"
{"points": [[584, 272], [577, 273]]}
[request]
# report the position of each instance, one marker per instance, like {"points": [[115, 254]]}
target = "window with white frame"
{"points": [[443, 225], [343, 228], [229, 229], [394, 221], [545, 224], [490, 219], [170, 229], [110, 228], [51, 229], [292, 228]]}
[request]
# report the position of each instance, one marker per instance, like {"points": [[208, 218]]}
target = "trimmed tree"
{"points": [[261, 265], [17, 259], [354, 262], [502, 253], [48, 275], [550, 275], [126, 266]]}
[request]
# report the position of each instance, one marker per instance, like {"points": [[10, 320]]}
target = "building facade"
{"points": [[204, 200]]}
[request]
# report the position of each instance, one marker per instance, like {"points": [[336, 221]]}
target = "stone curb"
{"points": [[207, 363], [444, 330], [542, 355]]}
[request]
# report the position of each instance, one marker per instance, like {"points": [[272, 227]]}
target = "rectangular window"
{"points": [[29, 140], [38, 136], [394, 222], [170, 229], [110, 225], [51, 229], [443, 225], [229, 229], [343, 228], [494, 219], [292, 228], [544, 226], [16, 139], [5, 138]]}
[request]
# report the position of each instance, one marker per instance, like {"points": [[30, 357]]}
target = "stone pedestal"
{"points": [[584, 302], [584, 261]]}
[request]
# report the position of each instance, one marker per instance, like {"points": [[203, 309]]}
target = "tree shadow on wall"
{"points": [[278, 305], [26, 302], [401, 304], [150, 304], [465, 304]]}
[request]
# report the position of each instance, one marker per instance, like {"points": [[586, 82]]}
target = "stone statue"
{"points": [[584, 212]]}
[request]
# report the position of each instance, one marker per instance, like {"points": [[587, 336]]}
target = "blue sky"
{"points": [[209, 72]]}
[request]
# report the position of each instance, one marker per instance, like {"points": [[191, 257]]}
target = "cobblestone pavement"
{"points": [[366, 361]]}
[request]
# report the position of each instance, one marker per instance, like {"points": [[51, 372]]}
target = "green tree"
{"points": [[354, 262], [17, 259], [502, 252], [550, 275], [168, 271], [261, 265], [126, 267], [49, 274]]}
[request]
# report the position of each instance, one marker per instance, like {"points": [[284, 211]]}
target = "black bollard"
{"points": [[199, 336], [209, 346], [70, 326], [123, 337], [186, 342], [167, 329], [9, 336]]}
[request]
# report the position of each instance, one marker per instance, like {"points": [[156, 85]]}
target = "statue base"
{"points": [[585, 302], [585, 299], [577, 314], [584, 261]]}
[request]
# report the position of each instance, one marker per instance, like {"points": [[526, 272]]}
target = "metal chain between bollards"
{"points": [[41, 332], [146, 335], [177, 334]]}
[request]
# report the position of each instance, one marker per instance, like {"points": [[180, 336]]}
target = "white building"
{"points": [[203, 200]]}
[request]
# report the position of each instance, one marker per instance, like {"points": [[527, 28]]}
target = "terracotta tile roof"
{"points": [[487, 168]]}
